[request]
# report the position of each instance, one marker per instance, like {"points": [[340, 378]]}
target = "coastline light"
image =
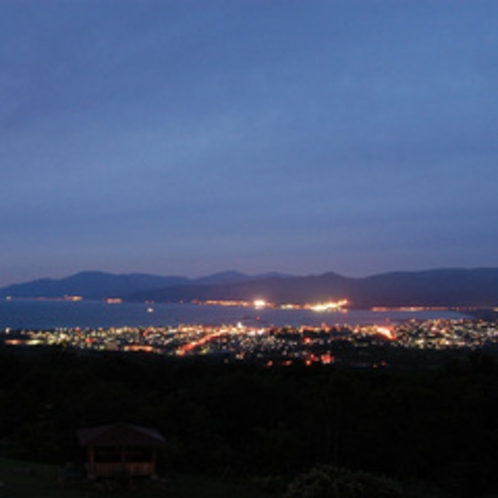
{"points": [[259, 304], [329, 306]]}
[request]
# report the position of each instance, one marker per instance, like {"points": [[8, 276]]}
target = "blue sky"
{"points": [[189, 137]]}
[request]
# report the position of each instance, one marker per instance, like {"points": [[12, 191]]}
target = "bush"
{"points": [[333, 482]]}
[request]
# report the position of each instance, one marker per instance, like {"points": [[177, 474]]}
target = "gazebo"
{"points": [[113, 450]]}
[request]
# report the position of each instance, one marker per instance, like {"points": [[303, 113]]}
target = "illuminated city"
{"points": [[270, 345]]}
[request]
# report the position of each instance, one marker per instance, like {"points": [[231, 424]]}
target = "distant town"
{"points": [[342, 344]]}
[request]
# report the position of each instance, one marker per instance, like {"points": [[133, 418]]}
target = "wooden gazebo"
{"points": [[118, 449]]}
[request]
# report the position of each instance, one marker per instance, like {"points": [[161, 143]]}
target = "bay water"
{"points": [[45, 315]]}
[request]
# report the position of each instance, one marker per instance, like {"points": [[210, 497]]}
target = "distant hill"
{"points": [[444, 287], [92, 285], [233, 277], [278, 289], [101, 285], [448, 287]]}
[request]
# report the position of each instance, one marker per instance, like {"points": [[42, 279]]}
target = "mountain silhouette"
{"points": [[440, 287]]}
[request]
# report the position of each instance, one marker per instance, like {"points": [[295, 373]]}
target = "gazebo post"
{"points": [[91, 459], [123, 458], [154, 451]]}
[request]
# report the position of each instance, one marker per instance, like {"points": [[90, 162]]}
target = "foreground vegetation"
{"points": [[21, 479], [422, 429]]}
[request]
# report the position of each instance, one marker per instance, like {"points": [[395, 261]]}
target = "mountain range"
{"points": [[440, 287]]}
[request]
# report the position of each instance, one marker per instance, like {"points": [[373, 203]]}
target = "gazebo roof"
{"points": [[120, 435]]}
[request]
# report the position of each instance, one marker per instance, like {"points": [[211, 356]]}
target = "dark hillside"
{"points": [[431, 288], [436, 426], [450, 287]]}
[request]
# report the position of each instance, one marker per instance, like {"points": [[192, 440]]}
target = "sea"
{"points": [[47, 315]]}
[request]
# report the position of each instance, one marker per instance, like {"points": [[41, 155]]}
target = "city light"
{"points": [[386, 332], [270, 345], [329, 306]]}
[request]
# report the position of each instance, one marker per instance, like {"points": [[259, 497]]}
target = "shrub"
{"points": [[328, 481]]}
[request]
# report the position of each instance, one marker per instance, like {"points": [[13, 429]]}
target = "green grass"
{"points": [[32, 480]]}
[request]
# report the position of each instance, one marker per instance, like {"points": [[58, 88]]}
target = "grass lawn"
{"points": [[21, 479]]}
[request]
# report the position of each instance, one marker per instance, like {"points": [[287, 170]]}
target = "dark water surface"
{"points": [[23, 314]]}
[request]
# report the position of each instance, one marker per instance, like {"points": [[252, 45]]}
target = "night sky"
{"points": [[301, 136]]}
